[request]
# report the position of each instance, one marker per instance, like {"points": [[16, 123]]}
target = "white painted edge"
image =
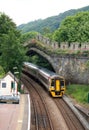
{"points": [[29, 113]]}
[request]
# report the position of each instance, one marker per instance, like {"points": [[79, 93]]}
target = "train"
{"points": [[53, 83]]}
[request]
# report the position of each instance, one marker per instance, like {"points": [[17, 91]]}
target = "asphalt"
{"points": [[15, 116]]}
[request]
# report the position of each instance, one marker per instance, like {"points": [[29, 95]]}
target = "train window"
{"points": [[52, 82], [62, 83], [45, 80]]}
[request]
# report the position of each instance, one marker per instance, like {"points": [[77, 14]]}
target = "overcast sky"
{"points": [[24, 11]]}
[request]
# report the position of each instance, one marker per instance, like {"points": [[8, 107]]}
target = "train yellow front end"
{"points": [[57, 87]]}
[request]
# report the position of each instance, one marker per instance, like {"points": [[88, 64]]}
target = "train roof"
{"points": [[43, 70], [49, 73], [31, 65]]}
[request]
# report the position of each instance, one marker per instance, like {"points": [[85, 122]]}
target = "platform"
{"points": [[15, 116]]}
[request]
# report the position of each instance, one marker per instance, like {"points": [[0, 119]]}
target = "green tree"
{"points": [[12, 52], [27, 36], [74, 28], [2, 73]]}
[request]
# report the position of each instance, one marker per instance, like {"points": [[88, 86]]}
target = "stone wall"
{"points": [[74, 70], [63, 45]]}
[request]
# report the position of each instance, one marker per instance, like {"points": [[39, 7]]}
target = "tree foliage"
{"points": [[74, 28], [12, 52], [40, 61], [2, 72], [52, 22], [29, 35]]}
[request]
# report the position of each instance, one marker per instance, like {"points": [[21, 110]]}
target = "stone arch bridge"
{"points": [[73, 67]]}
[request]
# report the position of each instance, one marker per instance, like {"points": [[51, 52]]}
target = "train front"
{"points": [[57, 86]]}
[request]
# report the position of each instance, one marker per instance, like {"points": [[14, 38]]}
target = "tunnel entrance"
{"points": [[39, 60]]}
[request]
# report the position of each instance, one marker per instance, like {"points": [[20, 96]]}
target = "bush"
{"points": [[79, 92]]}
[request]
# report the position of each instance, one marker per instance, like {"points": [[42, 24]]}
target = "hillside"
{"points": [[52, 23]]}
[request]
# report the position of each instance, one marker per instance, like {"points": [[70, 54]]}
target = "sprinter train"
{"points": [[53, 83]]}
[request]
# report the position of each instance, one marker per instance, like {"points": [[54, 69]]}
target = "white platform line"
{"points": [[29, 113]]}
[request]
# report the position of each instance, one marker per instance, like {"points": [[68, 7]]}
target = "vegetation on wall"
{"points": [[27, 36]]}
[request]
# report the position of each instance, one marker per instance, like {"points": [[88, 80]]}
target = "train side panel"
{"points": [[44, 80], [55, 84], [32, 70]]}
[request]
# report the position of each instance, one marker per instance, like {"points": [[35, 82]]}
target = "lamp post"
{"points": [[15, 72]]}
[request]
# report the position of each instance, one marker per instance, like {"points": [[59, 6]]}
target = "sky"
{"points": [[24, 11]]}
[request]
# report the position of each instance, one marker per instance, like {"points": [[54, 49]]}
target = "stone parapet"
{"points": [[63, 45]]}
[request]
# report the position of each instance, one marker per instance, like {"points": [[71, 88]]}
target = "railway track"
{"points": [[70, 118], [49, 113], [40, 118]]}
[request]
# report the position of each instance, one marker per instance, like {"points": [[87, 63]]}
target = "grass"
{"points": [[79, 92]]}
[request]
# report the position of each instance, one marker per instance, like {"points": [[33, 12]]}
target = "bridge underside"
{"points": [[42, 56], [31, 53]]}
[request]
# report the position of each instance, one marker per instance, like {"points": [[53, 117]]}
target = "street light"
{"points": [[15, 72]]}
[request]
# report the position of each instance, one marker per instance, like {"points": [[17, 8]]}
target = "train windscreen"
{"points": [[52, 82], [61, 83]]}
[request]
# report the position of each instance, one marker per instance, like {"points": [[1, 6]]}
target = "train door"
{"points": [[57, 85]]}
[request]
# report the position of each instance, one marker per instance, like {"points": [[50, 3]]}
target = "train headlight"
{"points": [[62, 86]]}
